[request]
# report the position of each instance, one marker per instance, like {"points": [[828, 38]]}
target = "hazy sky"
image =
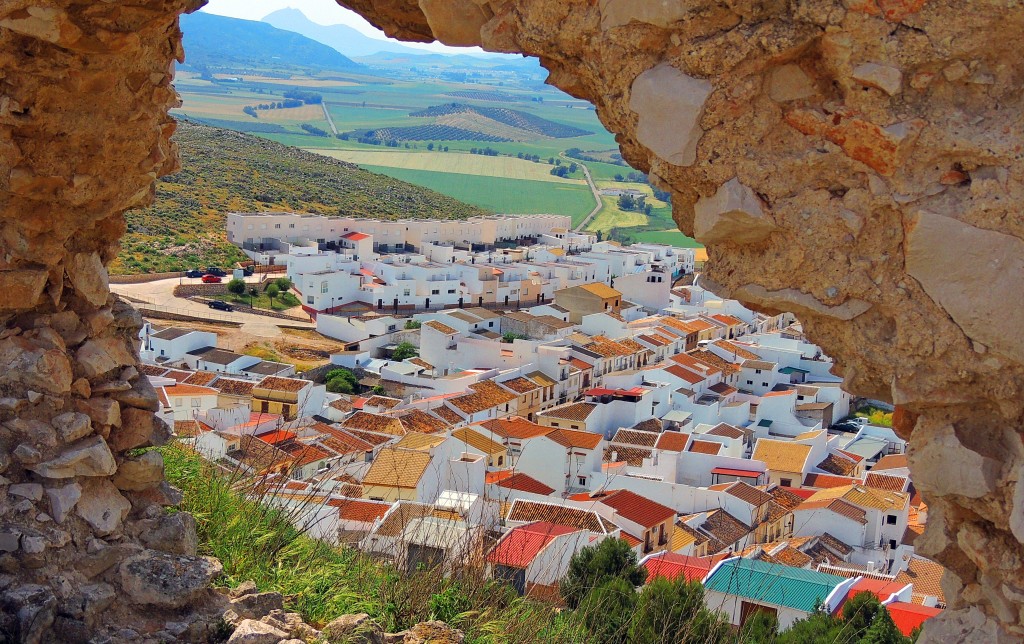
{"points": [[324, 12]]}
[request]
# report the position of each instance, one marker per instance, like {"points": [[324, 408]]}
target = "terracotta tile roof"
{"points": [[190, 428], [835, 544], [420, 442], [909, 617], [672, 441], [572, 438], [640, 510], [632, 456], [814, 433], [404, 512], [235, 387], [572, 411], [600, 289], [521, 545], [635, 437], [654, 340], [529, 511], [441, 327], [478, 441], [289, 385], [359, 510], [781, 456], [856, 458], [516, 427], [726, 431], [448, 415], [705, 447], [151, 369], [374, 423], [608, 348], [695, 365], [838, 465], [182, 389], [885, 482], [486, 395], [827, 481], [865, 497], [749, 494], [671, 566], [723, 389], [259, 456], [890, 462], [422, 363], [728, 319], [630, 540], [790, 556], [201, 378], [649, 425], [579, 364], [738, 351], [420, 421], [525, 483], [685, 374], [177, 375], [633, 345], [304, 453], [925, 575], [784, 498], [763, 365], [276, 437], [724, 530], [838, 506], [341, 441], [776, 394], [382, 401], [687, 326], [541, 379], [698, 537], [373, 438], [911, 534], [714, 360], [399, 468], [520, 385]]}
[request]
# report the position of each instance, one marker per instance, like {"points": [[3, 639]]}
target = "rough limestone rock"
{"points": [[102, 506], [669, 105], [427, 633], [256, 605], [63, 499], [250, 631], [358, 629], [88, 457], [140, 473], [733, 214], [155, 578]]}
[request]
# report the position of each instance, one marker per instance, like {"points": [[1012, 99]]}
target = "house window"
{"points": [[892, 544], [574, 426], [750, 382], [501, 461], [195, 402], [757, 371], [786, 482], [489, 324], [177, 402], [890, 519], [309, 299], [451, 291], [554, 424], [277, 225], [291, 225], [764, 384], [435, 291], [323, 286], [582, 480], [405, 292]]}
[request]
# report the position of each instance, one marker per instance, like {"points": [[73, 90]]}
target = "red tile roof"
{"points": [[516, 427], [521, 545], [671, 566], [705, 447], [672, 441], [273, 438], [359, 510], [684, 374], [827, 481], [885, 482], [573, 438], [910, 616], [639, 510], [525, 483]]}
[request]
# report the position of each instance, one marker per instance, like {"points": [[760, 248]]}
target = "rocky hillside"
{"points": [[224, 170]]}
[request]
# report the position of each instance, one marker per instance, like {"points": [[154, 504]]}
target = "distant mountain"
{"points": [[342, 38], [222, 42]]}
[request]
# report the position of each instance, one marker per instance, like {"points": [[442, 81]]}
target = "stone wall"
{"points": [[856, 162], [85, 547]]}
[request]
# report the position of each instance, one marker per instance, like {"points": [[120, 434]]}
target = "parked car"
{"points": [[221, 306], [211, 279], [213, 270], [248, 270], [195, 272]]}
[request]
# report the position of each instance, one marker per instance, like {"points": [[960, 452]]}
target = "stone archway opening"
{"points": [[857, 162]]}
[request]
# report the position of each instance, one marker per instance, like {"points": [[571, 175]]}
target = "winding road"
{"points": [[593, 189]]}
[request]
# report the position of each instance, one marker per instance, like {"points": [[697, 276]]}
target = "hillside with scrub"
{"points": [[224, 170]]}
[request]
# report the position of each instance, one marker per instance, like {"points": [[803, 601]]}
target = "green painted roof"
{"points": [[773, 583]]}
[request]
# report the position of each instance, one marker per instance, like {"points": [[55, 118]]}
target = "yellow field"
{"points": [[642, 187], [611, 217], [217, 106], [451, 162], [302, 81]]}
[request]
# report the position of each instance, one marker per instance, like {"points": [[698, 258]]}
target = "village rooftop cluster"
{"points": [[566, 391]]}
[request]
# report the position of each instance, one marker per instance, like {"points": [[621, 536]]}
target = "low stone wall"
{"points": [[193, 290], [181, 317]]}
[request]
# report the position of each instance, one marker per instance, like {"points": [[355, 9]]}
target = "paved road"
{"points": [[159, 295], [593, 189], [327, 115]]}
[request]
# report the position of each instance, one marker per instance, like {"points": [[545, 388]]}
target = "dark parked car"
{"points": [[195, 272], [247, 270], [221, 306], [211, 279], [213, 270]]}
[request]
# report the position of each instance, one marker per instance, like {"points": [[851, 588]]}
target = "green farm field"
{"points": [[505, 196]]}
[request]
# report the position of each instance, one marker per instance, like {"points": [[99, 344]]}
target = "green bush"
{"points": [[404, 351], [592, 565], [237, 286]]}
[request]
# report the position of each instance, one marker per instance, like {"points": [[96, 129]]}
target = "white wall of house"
{"points": [[731, 605], [649, 289], [551, 563]]}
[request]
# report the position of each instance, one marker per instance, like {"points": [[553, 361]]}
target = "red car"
{"points": [[211, 279]]}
